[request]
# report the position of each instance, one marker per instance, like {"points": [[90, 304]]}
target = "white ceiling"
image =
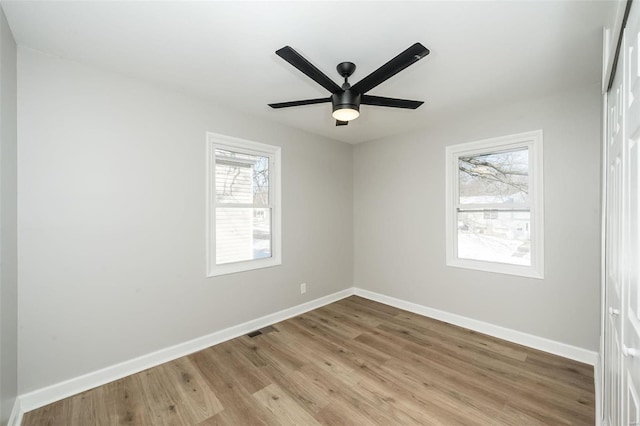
{"points": [[482, 53]]}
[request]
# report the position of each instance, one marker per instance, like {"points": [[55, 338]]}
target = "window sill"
{"points": [[249, 265], [498, 268]]}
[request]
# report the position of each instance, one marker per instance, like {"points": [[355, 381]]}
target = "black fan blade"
{"points": [[341, 123], [391, 68], [295, 59], [299, 103], [389, 102]]}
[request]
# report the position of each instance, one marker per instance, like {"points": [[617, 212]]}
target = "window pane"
{"points": [[495, 236], [241, 178], [242, 234], [501, 177]]}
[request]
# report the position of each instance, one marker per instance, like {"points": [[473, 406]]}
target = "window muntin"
{"points": [[243, 215], [494, 205]]}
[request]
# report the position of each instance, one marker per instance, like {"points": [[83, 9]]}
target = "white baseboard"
{"points": [[15, 419], [41, 397], [540, 343]]}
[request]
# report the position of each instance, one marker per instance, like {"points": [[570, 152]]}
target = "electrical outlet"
{"points": [[303, 288]]}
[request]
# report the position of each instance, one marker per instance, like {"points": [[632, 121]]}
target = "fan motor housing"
{"points": [[346, 99]]}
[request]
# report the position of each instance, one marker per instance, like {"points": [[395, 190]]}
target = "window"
{"points": [[243, 205], [495, 205]]}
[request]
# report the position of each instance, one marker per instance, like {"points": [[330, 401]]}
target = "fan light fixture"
{"points": [[345, 114]]}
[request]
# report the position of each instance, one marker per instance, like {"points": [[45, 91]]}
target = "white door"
{"points": [[630, 293], [614, 248]]}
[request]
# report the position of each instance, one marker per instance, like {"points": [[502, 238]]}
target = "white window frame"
{"points": [[531, 140], [229, 143]]}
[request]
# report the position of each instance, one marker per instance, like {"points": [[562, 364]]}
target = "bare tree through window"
{"points": [[493, 217]]}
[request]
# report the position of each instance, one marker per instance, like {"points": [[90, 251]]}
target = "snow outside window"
{"points": [[494, 205]]}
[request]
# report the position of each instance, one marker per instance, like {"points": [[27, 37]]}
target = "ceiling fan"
{"points": [[346, 100]]}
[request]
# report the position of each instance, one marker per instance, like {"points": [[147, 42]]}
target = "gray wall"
{"points": [[111, 224], [8, 222], [112, 220], [399, 211]]}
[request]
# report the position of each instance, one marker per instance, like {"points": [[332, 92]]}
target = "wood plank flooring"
{"points": [[354, 362]]}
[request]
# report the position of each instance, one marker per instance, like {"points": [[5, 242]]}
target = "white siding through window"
{"points": [[235, 175]]}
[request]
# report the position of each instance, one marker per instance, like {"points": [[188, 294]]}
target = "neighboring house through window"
{"points": [[243, 205], [495, 205]]}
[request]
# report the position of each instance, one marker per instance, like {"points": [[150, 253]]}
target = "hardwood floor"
{"points": [[352, 362]]}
